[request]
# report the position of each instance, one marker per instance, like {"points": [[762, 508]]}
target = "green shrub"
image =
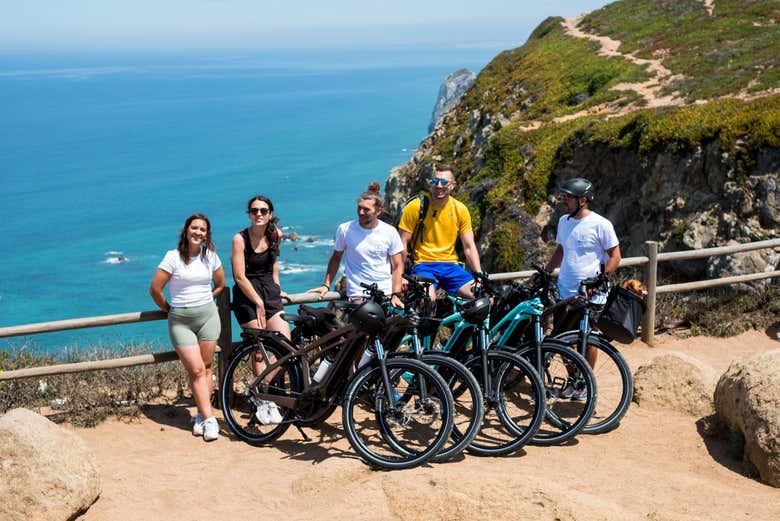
{"points": [[87, 398]]}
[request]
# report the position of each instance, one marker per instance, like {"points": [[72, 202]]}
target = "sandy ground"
{"points": [[656, 466]]}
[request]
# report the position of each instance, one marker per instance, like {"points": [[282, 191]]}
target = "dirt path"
{"points": [[655, 466], [660, 76]]}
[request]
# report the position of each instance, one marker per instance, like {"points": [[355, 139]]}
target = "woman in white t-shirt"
{"points": [[194, 275]]}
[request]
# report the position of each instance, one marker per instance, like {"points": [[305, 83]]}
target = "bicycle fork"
{"points": [[487, 383], [392, 396]]}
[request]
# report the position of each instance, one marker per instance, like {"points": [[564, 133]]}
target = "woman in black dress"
{"points": [[257, 296]]}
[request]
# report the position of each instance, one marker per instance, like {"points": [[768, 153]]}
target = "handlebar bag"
{"points": [[622, 315]]}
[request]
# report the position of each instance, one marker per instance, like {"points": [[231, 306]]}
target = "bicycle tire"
{"points": [[613, 378], [236, 395], [562, 367], [407, 433], [515, 409], [468, 406]]}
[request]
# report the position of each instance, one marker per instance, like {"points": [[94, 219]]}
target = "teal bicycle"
{"points": [[570, 386], [514, 394]]}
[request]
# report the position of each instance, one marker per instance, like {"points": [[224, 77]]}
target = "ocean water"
{"points": [[103, 156]]}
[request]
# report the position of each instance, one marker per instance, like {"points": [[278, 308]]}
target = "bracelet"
{"points": [[323, 285]]}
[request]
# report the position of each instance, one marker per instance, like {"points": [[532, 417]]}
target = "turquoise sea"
{"points": [[105, 155]]}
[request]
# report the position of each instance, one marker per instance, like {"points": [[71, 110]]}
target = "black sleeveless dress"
{"points": [[259, 268]]}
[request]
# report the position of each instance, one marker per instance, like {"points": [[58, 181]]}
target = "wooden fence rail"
{"points": [[226, 344]]}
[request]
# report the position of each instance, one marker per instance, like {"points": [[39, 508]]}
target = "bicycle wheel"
{"points": [[570, 390], [468, 407], [614, 379], [239, 393], [403, 433], [514, 407]]}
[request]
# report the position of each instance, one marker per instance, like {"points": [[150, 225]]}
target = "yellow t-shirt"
{"points": [[442, 229]]}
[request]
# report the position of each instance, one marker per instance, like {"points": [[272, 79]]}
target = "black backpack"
{"points": [[418, 230]]}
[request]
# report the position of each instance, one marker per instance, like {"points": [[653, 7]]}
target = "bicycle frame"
{"points": [[349, 343]]}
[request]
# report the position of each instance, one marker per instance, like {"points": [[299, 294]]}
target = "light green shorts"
{"points": [[187, 326]]}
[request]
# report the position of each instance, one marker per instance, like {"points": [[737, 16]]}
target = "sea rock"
{"points": [[747, 401], [46, 472], [675, 382], [450, 92]]}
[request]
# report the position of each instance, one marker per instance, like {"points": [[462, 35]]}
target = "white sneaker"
{"points": [[210, 429], [262, 413], [268, 413], [273, 412], [197, 427]]}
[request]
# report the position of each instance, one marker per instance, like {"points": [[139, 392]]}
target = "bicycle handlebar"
{"points": [[598, 282]]}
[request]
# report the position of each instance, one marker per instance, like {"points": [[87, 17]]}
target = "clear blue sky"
{"points": [[258, 24]]}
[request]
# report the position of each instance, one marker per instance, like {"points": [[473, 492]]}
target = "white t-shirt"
{"points": [[584, 242], [367, 254], [190, 284]]}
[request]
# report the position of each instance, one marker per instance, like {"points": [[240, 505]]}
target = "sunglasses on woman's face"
{"points": [[438, 181], [261, 211]]}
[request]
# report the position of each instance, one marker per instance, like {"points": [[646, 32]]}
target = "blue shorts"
{"points": [[451, 276]]}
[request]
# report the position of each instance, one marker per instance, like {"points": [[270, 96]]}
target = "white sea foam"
{"points": [[112, 252], [292, 268], [119, 259], [316, 243]]}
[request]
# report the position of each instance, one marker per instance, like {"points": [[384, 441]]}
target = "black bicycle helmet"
{"points": [[368, 317], [475, 311], [578, 187]]}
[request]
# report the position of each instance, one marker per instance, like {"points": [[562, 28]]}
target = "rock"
{"points": [[450, 92], [676, 382], [46, 472], [292, 236], [747, 401]]}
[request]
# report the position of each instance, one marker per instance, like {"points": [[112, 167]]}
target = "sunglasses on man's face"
{"points": [[261, 211], [438, 181]]}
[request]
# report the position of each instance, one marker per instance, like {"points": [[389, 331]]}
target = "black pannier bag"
{"points": [[326, 321], [622, 315]]}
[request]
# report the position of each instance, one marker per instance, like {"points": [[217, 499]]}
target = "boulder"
{"points": [[747, 401], [46, 472], [675, 382]]}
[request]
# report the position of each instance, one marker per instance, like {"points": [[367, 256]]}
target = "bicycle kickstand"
{"points": [[300, 429]]}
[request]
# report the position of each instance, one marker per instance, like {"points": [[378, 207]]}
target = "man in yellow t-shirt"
{"points": [[446, 220]]}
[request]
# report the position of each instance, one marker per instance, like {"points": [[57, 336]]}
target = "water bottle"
{"points": [[368, 355], [322, 370]]}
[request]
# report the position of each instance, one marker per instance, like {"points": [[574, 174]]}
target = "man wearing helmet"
{"points": [[445, 222], [587, 244], [586, 240]]}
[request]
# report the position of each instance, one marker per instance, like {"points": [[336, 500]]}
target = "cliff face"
{"points": [[450, 92], [683, 148]]}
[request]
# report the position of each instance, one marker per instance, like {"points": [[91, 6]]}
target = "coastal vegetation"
{"points": [[672, 108], [87, 398], [733, 49]]}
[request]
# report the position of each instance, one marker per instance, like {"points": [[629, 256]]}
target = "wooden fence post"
{"points": [[651, 280], [225, 341]]}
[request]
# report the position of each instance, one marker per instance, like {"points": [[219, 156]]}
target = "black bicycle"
{"points": [[396, 412], [613, 374]]}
